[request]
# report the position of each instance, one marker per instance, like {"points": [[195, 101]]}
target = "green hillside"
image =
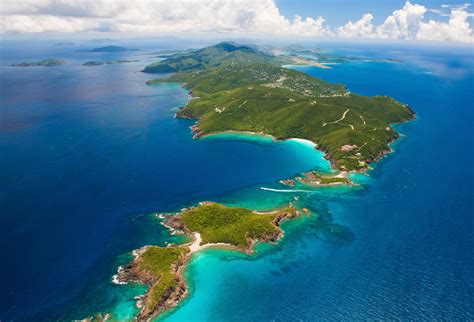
{"points": [[236, 226], [265, 98], [209, 57]]}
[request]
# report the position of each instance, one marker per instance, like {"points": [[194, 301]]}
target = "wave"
{"points": [[285, 190]]}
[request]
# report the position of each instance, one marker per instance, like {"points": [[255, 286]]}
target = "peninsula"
{"points": [[239, 88], [208, 225]]}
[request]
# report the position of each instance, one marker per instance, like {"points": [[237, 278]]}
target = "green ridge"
{"points": [[158, 262]]}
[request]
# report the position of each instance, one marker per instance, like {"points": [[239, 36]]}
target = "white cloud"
{"points": [[403, 23], [456, 29], [361, 28], [159, 16], [250, 17], [42, 23], [408, 23]]}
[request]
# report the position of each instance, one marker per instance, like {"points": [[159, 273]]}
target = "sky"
{"points": [[415, 20], [354, 9]]}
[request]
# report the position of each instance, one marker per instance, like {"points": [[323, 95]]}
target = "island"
{"points": [[315, 178], [46, 63], [241, 89], [108, 49], [108, 62], [208, 224]]}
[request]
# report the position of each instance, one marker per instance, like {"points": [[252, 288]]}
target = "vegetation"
{"points": [[46, 62], [241, 89], [108, 62], [220, 54], [160, 263], [236, 226], [314, 177], [330, 180]]}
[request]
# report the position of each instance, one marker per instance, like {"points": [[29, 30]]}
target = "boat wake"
{"points": [[285, 190]]}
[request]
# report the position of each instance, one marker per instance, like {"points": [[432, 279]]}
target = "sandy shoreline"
{"points": [[196, 246], [263, 135]]}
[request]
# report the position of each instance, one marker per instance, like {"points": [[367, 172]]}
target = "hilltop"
{"points": [[221, 54], [239, 88]]}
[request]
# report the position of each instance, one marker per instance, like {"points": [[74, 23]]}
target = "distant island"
{"points": [[109, 49], [319, 55], [108, 62], [239, 88], [46, 62]]}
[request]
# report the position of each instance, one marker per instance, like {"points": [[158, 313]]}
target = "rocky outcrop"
{"points": [[173, 295]]}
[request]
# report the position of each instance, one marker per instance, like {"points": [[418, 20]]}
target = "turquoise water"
{"points": [[90, 154]]}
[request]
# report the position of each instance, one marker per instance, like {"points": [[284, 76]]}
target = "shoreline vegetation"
{"points": [[208, 225], [240, 89]]}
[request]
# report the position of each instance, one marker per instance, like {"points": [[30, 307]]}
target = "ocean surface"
{"points": [[89, 155]]}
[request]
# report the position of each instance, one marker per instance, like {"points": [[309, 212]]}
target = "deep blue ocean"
{"points": [[88, 155]]}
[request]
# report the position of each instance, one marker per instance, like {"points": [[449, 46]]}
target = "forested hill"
{"points": [[239, 88]]}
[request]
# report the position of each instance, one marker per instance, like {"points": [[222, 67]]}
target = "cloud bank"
{"points": [[409, 23], [250, 17]]}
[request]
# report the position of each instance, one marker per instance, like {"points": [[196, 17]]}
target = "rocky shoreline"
{"points": [[132, 273]]}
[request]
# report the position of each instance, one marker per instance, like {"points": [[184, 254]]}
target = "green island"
{"points": [[46, 63], [108, 62], [239, 88], [315, 178], [208, 225]]}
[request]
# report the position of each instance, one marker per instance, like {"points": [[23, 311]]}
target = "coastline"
{"points": [[308, 143], [134, 273], [198, 133]]}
